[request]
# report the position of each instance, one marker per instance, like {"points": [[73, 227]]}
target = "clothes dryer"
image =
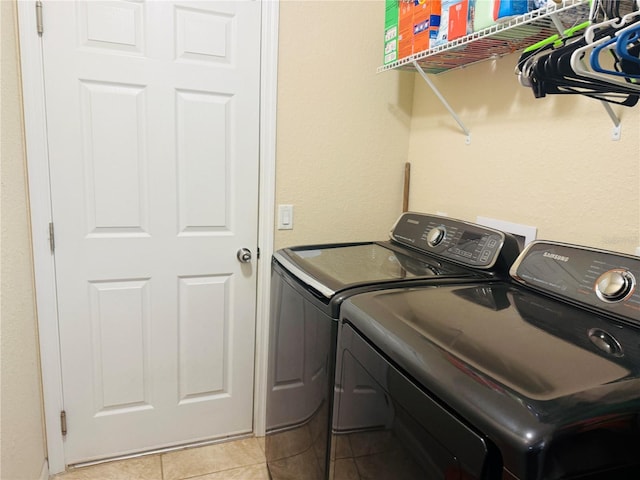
{"points": [[309, 285]]}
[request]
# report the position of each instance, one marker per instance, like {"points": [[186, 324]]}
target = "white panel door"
{"points": [[152, 114]]}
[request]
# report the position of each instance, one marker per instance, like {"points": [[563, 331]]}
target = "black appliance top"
{"points": [[527, 363], [421, 246], [596, 279]]}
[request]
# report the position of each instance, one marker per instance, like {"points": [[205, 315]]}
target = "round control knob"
{"points": [[615, 285], [436, 236]]}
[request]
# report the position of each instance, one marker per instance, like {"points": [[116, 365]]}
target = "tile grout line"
{"points": [[195, 477], [262, 461]]}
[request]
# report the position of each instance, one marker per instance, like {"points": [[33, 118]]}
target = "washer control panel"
{"points": [[596, 278], [456, 240]]}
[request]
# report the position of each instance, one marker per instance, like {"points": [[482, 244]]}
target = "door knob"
{"points": [[244, 255]]}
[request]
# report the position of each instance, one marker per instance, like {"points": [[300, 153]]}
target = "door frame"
{"points": [[35, 128]]}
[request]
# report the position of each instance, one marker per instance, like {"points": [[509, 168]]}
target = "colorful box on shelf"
{"points": [[482, 14], [410, 27], [455, 21], [505, 9], [405, 29], [426, 23], [485, 13], [391, 31]]}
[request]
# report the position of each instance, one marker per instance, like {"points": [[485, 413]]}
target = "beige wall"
{"points": [[343, 130], [547, 162], [22, 431]]}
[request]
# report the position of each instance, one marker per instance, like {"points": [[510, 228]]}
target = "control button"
{"points": [[605, 342], [492, 243], [485, 255], [436, 236], [615, 285]]}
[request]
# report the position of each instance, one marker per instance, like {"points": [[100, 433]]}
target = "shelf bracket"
{"points": [[615, 134], [557, 23], [443, 100]]}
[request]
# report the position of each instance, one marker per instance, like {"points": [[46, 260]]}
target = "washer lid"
{"points": [[535, 347], [332, 268]]}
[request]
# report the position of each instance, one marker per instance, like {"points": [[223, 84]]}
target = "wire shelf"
{"points": [[498, 40]]}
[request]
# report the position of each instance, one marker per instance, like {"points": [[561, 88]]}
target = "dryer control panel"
{"points": [[595, 278], [456, 240]]}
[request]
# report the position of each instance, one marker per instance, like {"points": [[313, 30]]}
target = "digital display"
{"points": [[469, 241]]}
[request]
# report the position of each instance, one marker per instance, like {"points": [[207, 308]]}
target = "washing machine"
{"points": [[309, 285], [532, 378]]}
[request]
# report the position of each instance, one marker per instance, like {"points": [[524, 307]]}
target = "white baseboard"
{"points": [[44, 474]]}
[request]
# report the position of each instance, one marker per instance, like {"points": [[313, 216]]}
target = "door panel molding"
{"points": [[40, 205]]}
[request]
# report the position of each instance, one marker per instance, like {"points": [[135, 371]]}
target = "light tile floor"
{"points": [[236, 460]]}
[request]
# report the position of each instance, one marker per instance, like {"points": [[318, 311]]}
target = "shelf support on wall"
{"points": [[557, 23], [615, 134], [443, 100]]}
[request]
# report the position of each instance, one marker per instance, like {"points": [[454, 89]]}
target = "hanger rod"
{"points": [[443, 100]]}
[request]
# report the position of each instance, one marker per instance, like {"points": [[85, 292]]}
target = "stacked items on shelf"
{"points": [[409, 25], [446, 34]]}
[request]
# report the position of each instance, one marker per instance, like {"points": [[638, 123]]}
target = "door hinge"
{"points": [[39, 18], [258, 253], [52, 238], [63, 422]]}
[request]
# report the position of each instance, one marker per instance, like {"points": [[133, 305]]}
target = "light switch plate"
{"points": [[285, 217]]}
